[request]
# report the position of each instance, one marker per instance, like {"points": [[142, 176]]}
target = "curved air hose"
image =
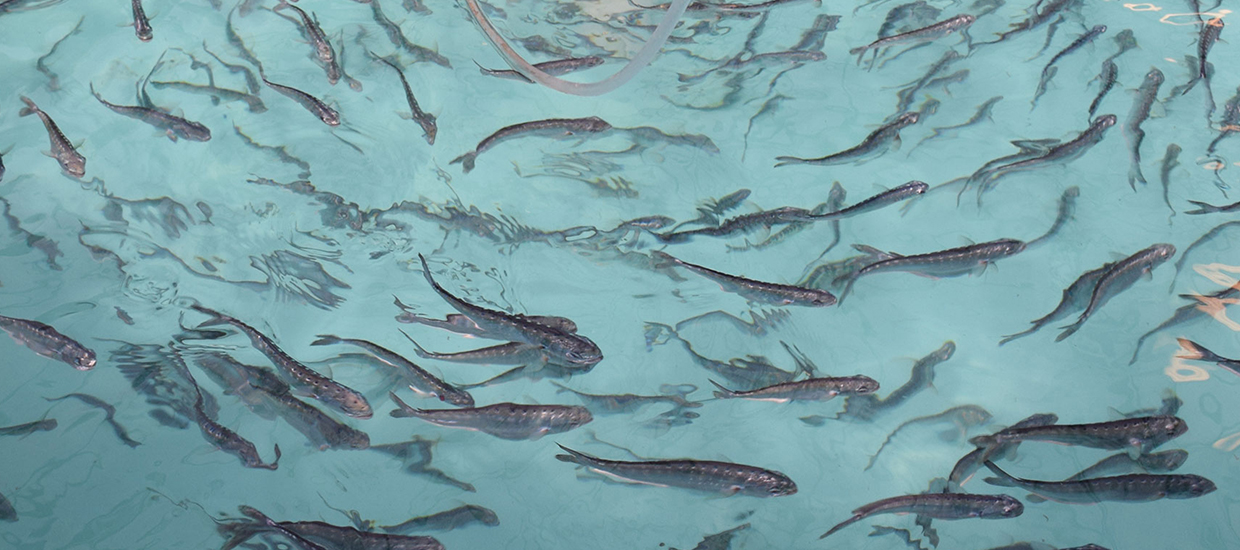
{"points": [[639, 62]]}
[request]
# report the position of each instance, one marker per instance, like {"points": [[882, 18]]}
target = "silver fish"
{"points": [[512, 353], [983, 113], [322, 430], [953, 262], [461, 324], [1164, 461], [253, 102], [424, 119], [896, 194], [758, 291], [1122, 275], [1085, 38], [1126, 488], [1061, 153], [322, 46], [1036, 18], [574, 349], [320, 387], [326, 114], [810, 389], [700, 475], [917, 36], [938, 506], [1137, 435], [173, 126], [420, 380], [554, 68], [1147, 94], [70, 160], [229, 441], [141, 25], [398, 39], [551, 127], [1075, 298], [503, 420], [48, 342], [886, 138], [626, 403]]}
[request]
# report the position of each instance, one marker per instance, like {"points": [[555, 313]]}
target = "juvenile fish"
{"points": [[70, 160], [1147, 94], [758, 291], [962, 417], [896, 194], [810, 389], [348, 538], [1230, 123], [173, 126], [1207, 208], [1171, 159], [326, 114], [48, 342], [45, 425], [1196, 352], [109, 415], [503, 420], [554, 68], [512, 353], [1082, 40], [1126, 488], [420, 381], [1138, 435], [1036, 19], [322, 46], [699, 475], [1164, 461], [227, 440], [1058, 154], [424, 119], [972, 462], [741, 224], [1122, 275], [551, 127], [921, 376], [1200, 307], [237, 42], [398, 39], [886, 138], [938, 506], [1075, 298], [953, 262], [1210, 31], [53, 80], [983, 113], [1067, 210], [141, 25], [447, 520], [253, 102], [624, 403], [917, 36], [1107, 77], [461, 324], [320, 387], [577, 351], [251, 81]]}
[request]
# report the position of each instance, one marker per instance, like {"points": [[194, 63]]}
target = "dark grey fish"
{"points": [[1210, 31], [1124, 41], [503, 420], [461, 324], [1075, 298], [1207, 237], [1170, 160], [1165, 461], [1047, 74], [251, 81], [416, 455], [1126, 488], [1059, 154], [322, 430], [1122, 275], [719, 541], [1037, 18], [44, 425], [551, 127], [237, 42], [141, 25], [962, 417], [424, 119], [280, 151], [512, 353], [7, 512], [699, 475], [896, 194], [983, 113], [1082, 40], [301, 377], [572, 348], [625, 403], [1137, 435], [554, 68], [758, 291], [347, 538], [227, 440], [972, 462], [809, 389], [1230, 123], [456, 518], [1050, 36], [816, 35], [1197, 352], [318, 39], [1067, 211], [70, 160], [921, 376], [398, 39], [419, 380], [1207, 208], [1200, 307], [953, 262], [48, 342], [909, 93], [253, 102], [173, 126], [741, 224], [917, 36], [239, 532], [938, 506], [752, 372], [326, 114], [1107, 79], [53, 80], [109, 414], [886, 138], [1147, 94]]}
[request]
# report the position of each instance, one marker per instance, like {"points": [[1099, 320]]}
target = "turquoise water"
{"points": [[156, 225]]}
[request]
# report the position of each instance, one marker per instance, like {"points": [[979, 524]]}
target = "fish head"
{"points": [[357, 439], [352, 404], [1002, 506], [484, 515], [967, 19], [79, 357], [1170, 427], [651, 222], [1161, 253], [75, 167], [863, 385], [577, 416], [775, 484], [329, 117], [457, 398], [1105, 121], [1155, 77], [907, 119], [596, 124], [1165, 461], [196, 132], [579, 351], [946, 351], [1190, 486], [1009, 247], [820, 298]]}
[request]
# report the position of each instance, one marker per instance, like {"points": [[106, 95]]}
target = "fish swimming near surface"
{"points": [[551, 127], [1067, 211], [885, 138], [758, 291], [1120, 277], [510, 421], [809, 389], [1075, 298], [322, 45], [886, 198], [72, 162], [108, 410], [964, 260], [173, 126], [1197, 352], [313, 104], [1057, 154], [1136, 435], [1164, 461], [1125, 488], [423, 118], [938, 506], [1199, 308], [917, 36], [48, 342], [699, 475], [555, 67], [1229, 123], [447, 520], [227, 440], [44, 425], [983, 113], [251, 81], [419, 380], [627, 403], [141, 25], [1147, 94], [53, 80], [921, 377], [1210, 31], [1049, 70]]}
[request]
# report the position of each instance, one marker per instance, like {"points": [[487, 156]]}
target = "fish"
{"points": [[719, 541], [1200, 307], [1085, 38], [416, 456], [554, 68], [447, 520], [512, 353], [1061, 153], [1165, 461], [280, 151], [1207, 208], [109, 415], [816, 35], [1107, 79], [1067, 211], [7, 512], [896, 194], [1137, 435], [320, 387], [461, 324], [44, 425], [624, 403], [753, 372], [908, 94], [917, 36], [953, 262], [1171, 159], [253, 102], [141, 25], [921, 376], [251, 81], [339, 537], [983, 113], [173, 126], [1122, 275], [972, 462], [1037, 18], [1197, 352], [318, 39], [1210, 31], [809, 389], [744, 223], [962, 417], [326, 114], [699, 475], [1147, 94], [1203, 239], [1075, 298], [53, 80], [420, 381], [758, 291], [1125, 488], [398, 39], [1047, 74], [424, 119], [938, 506], [48, 342], [574, 349], [241, 531], [1229, 123], [227, 440], [72, 162], [1124, 41], [322, 430], [235, 39], [510, 421], [885, 138], [551, 127]]}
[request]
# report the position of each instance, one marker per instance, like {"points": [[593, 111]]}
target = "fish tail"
{"points": [[1004, 480], [845, 523], [426, 271], [275, 464], [217, 318], [30, 107], [575, 457], [1197, 352], [1134, 176], [723, 392], [665, 259], [984, 441], [1202, 208], [1069, 331], [417, 348], [784, 161], [405, 411], [326, 339]]}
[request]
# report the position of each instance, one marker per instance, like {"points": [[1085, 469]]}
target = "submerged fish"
{"points": [[1197, 352], [972, 462], [1146, 95], [141, 25], [1210, 31], [253, 102], [1171, 159], [420, 380], [962, 417], [447, 520], [964, 260], [44, 425], [1164, 461], [1075, 298], [1121, 276], [70, 160], [326, 114], [173, 126], [7, 512], [1107, 79], [896, 194], [810, 389], [551, 127], [48, 342], [916, 36], [1207, 208], [983, 113], [503, 420], [227, 440], [1058, 154], [512, 353], [424, 119], [699, 475], [53, 80], [758, 291], [921, 376], [1201, 307], [625, 403], [109, 415], [1137, 435], [938, 506], [1126, 488], [886, 138], [554, 68]]}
